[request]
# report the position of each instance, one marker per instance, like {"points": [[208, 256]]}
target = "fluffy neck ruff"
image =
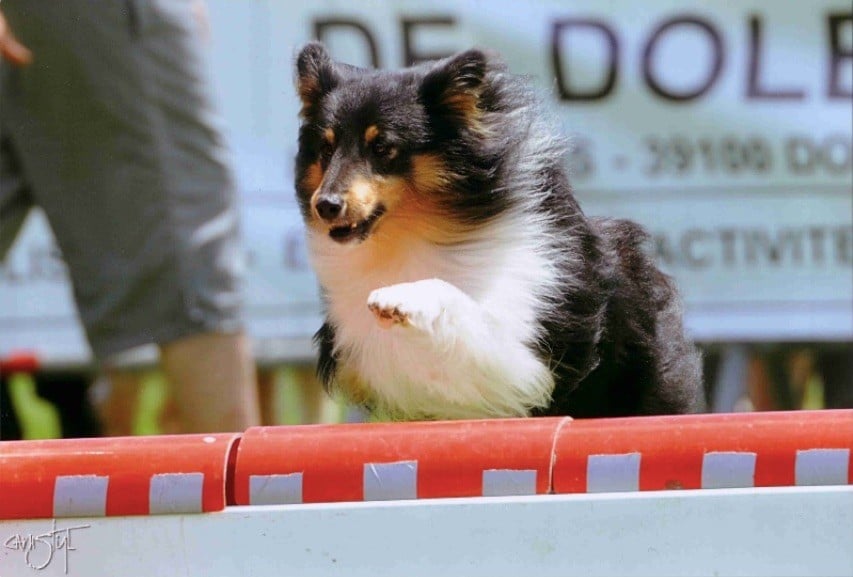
{"points": [[504, 266]]}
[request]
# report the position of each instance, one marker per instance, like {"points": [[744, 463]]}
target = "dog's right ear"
{"points": [[315, 76], [454, 85]]}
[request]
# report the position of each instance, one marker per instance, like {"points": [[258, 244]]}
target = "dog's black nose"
{"points": [[330, 207]]}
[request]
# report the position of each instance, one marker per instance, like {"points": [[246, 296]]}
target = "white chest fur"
{"points": [[469, 353]]}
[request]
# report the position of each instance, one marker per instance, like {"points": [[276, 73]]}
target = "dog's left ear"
{"points": [[453, 87]]}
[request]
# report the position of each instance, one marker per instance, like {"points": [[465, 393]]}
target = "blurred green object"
{"points": [[38, 418], [153, 395], [813, 397]]}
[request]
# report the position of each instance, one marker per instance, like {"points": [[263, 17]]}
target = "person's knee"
{"points": [[213, 381], [209, 355]]}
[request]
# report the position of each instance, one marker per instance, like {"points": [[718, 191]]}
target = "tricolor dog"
{"points": [[461, 278]]}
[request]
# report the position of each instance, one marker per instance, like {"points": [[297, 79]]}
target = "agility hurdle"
{"points": [[736, 494]]}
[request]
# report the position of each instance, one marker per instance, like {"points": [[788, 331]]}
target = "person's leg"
{"points": [[15, 203], [317, 406], [212, 378], [114, 125], [118, 408], [209, 366], [15, 198], [169, 418], [268, 396], [120, 399]]}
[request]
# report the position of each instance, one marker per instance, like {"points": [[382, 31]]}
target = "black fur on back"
{"points": [[641, 364], [613, 333]]}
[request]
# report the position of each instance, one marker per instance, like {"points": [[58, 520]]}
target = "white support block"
{"points": [[778, 532]]}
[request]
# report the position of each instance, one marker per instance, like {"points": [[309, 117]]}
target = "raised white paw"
{"points": [[417, 304]]}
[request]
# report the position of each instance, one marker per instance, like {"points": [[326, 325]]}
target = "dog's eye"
{"points": [[383, 150], [327, 149]]}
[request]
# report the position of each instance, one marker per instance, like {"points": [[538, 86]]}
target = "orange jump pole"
{"points": [[384, 461], [705, 452], [330, 463], [113, 476], [392, 461]]}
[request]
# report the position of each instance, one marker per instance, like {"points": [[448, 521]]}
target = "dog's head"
{"points": [[377, 147]]}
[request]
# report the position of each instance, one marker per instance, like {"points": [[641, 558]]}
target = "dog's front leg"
{"points": [[430, 307], [446, 338]]}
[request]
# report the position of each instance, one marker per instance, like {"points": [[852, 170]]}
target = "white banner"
{"points": [[724, 128]]}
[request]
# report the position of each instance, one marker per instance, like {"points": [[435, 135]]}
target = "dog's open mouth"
{"points": [[357, 230]]}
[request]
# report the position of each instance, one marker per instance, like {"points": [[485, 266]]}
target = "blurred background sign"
{"points": [[724, 129]]}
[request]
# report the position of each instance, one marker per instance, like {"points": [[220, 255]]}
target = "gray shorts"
{"points": [[111, 132]]}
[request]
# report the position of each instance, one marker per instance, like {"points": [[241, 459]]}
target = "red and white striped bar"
{"points": [[114, 476], [514, 457], [399, 461], [705, 452], [385, 461]]}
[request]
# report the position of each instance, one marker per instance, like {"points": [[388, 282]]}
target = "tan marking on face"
{"points": [[362, 197], [371, 133], [329, 136], [313, 177], [313, 181], [365, 194], [429, 174], [414, 208]]}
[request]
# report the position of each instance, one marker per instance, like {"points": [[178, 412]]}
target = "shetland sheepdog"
{"points": [[460, 277]]}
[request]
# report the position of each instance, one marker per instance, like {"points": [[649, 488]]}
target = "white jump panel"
{"points": [[775, 532]]}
